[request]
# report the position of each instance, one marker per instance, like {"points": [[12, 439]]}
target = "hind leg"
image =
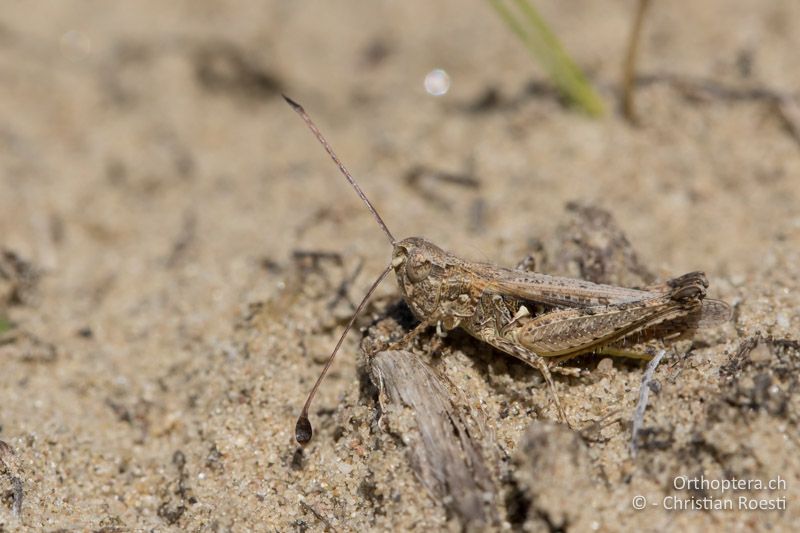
{"points": [[536, 361], [639, 352]]}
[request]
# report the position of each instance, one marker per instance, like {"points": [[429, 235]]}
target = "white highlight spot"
{"points": [[437, 82]]}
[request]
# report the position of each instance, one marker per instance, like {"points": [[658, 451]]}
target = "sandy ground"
{"points": [[162, 331]]}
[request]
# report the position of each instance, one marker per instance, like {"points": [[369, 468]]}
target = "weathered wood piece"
{"points": [[443, 439]]}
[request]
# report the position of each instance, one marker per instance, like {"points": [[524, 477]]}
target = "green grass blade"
{"points": [[543, 44]]}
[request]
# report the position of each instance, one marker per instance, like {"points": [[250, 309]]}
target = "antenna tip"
{"points": [[302, 430], [295, 105]]}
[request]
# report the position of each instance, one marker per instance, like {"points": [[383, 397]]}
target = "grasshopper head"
{"points": [[419, 266], [415, 259]]}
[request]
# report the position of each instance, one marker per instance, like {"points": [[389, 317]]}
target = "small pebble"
{"points": [[605, 365], [761, 353]]}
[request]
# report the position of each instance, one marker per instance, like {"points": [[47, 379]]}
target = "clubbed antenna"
{"points": [[313, 127], [302, 429]]}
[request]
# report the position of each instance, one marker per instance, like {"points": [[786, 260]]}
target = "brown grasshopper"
{"points": [[542, 320]]}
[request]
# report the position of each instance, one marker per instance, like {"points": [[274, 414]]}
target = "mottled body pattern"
{"points": [[562, 317], [542, 320]]}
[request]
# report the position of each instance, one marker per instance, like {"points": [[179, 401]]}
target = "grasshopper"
{"points": [[540, 319]]}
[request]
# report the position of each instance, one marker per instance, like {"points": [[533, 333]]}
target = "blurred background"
{"points": [[154, 186]]}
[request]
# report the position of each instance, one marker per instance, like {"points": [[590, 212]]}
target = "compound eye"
{"points": [[417, 267]]}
